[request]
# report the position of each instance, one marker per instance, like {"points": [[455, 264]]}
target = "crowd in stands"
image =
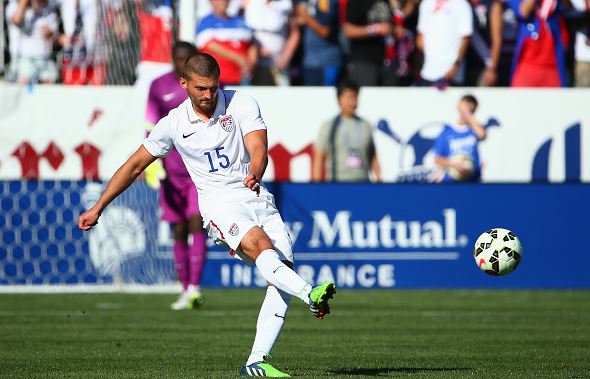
{"points": [[519, 43]]}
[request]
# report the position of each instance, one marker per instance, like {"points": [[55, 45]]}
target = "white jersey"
{"points": [[213, 152], [443, 23]]}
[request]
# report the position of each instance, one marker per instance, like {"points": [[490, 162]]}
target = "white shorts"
{"points": [[228, 221], [30, 69]]}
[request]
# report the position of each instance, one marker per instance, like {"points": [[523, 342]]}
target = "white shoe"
{"points": [[180, 303]]}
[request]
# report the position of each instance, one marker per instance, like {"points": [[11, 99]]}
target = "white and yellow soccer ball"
{"points": [[497, 252], [466, 162]]}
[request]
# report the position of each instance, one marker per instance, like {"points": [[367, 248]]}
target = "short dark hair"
{"points": [[347, 84], [471, 100], [201, 64], [183, 45]]}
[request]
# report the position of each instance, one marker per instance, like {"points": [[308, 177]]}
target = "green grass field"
{"points": [[430, 334]]}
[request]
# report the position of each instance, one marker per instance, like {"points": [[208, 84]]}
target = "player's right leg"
{"points": [[236, 225], [257, 245]]}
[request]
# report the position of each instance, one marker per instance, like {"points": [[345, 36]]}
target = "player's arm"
{"points": [[155, 172], [257, 146], [318, 164], [122, 179]]}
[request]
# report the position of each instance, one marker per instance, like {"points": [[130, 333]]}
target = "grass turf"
{"points": [[431, 334]]}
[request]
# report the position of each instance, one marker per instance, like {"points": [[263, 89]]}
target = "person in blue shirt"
{"points": [[322, 56], [455, 149]]}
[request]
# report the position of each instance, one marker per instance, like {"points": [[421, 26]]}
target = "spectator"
{"points": [[204, 8], [322, 56], [539, 59], [509, 25], [80, 20], [345, 143], [483, 55], [455, 149], [276, 37], [33, 29], [122, 41], [582, 44], [178, 194], [229, 40], [444, 30], [369, 28]]}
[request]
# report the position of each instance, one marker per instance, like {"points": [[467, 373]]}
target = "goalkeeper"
{"points": [[178, 194]]}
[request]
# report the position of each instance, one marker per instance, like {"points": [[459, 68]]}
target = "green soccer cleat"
{"points": [[195, 297], [319, 296], [262, 368]]}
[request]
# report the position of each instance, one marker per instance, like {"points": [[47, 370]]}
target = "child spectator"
{"points": [[455, 149]]}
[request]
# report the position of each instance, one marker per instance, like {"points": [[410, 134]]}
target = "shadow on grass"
{"points": [[387, 370]]}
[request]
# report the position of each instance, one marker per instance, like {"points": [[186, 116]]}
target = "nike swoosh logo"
{"points": [[276, 269], [168, 96], [187, 135], [279, 316]]}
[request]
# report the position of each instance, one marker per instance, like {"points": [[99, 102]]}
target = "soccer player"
{"points": [[178, 194], [222, 140]]}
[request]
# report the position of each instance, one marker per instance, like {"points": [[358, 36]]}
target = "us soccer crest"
{"points": [[226, 122], [234, 229]]}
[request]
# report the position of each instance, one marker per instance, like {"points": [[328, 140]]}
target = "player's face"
{"points": [[348, 101], [202, 91]]}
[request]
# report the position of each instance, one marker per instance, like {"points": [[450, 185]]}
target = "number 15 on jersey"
{"points": [[221, 160]]}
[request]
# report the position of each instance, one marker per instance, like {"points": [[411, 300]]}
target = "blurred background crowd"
{"points": [[520, 43]]}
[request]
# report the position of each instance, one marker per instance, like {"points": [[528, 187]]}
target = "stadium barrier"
{"points": [[79, 133], [360, 235], [60, 144]]}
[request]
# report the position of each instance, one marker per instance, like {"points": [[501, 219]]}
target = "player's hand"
{"points": [[88, 219], [251, 182]]}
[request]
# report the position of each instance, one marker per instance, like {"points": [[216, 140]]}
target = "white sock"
{"points": [[270, 322], [281, 276]]}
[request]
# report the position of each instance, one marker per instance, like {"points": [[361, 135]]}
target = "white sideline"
{"points": [[85, 288]]}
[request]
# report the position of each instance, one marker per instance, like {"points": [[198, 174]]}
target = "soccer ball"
{"points": [[466, 162], [497, 252]]}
